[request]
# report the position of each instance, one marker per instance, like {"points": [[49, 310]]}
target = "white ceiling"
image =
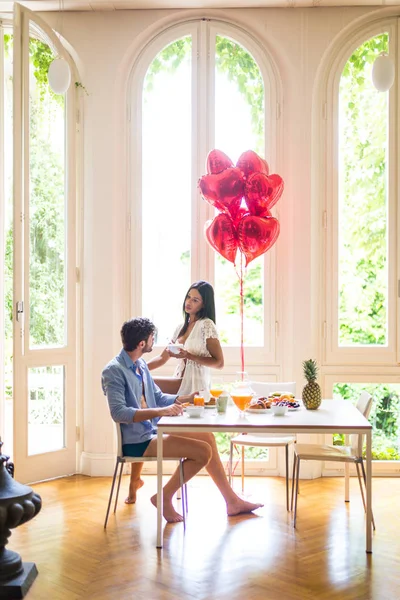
{"points": [[107, 5]]}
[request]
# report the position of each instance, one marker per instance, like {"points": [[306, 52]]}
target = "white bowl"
{"points": [[195, 411], [174, 348], [279, 411]]}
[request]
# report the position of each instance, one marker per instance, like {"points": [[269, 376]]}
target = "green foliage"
{"points": [[384, 417], [40, 57], [168, 61], [8, 41], [363, 285], [46, 233], [223, 443], [252, 293], [240, 67], [232, 60]]}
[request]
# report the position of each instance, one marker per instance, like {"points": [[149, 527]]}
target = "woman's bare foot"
{"points": [[133, 488], [240, 506], [169, 513]]}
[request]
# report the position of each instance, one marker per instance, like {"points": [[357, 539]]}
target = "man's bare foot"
{"points": [[169, 513], [240, 506], [133, 488]]}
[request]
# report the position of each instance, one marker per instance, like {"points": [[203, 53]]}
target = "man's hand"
{"points": [[171, 411]]}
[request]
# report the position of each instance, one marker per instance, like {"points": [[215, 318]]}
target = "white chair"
{"points": [[348, 454], [262, 388], [121, 460]]}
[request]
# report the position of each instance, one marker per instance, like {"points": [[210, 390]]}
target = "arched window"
{"points": [[198, 86], [361, 261], [361, 232]]}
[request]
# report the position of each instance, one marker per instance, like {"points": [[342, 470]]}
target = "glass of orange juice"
{"points": [[216, 387], [198, 400]]}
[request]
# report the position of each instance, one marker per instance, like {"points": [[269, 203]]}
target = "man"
{"points": [[137, 403]]}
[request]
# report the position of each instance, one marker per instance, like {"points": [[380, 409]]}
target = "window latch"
{"points": [[19, 310]]}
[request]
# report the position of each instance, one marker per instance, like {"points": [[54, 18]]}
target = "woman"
{"points": [[201, 348]]}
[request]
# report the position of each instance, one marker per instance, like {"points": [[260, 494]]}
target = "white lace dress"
{"points": [[195, 377]]}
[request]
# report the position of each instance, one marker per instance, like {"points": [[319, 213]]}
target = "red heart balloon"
{"points": [[249, 162], [242, 212], [256, 235], [223, 190], [217, 161], [277, 186], [221, 235], [262, 192]]}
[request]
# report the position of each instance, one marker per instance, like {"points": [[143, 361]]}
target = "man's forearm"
{"points": [[146, 414]]}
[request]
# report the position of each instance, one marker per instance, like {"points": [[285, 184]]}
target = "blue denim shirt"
{"points": [[123, 388]]}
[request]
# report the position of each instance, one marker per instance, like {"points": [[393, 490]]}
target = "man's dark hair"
{"points": [[135, 331]]}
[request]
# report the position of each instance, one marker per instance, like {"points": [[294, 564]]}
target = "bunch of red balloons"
{"points": [[244, 194]]}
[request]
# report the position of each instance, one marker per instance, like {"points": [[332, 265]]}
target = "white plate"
{"points": [[212, 406], [291, 409], [258, 410]]}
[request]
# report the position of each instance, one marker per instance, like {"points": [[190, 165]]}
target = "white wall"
{"points": [[106, 45]]}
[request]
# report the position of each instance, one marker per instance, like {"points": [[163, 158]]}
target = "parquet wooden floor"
{"points": [[250, 557]]}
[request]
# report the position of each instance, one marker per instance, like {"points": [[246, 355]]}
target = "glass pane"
{"points": [[384, 417], [167, 186], [228, 303], [45, 409], [8, 245], [363, 207], [47, 204], [239, 126]]}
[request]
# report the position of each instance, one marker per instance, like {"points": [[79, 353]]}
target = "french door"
{"points": [[44, 337]]}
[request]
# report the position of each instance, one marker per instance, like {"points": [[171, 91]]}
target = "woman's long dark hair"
{"points": [[206, 292]]}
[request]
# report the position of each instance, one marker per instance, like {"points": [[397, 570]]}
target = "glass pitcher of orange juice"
{"points": [[242, 394]]}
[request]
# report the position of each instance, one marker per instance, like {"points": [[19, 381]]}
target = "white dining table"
{"points": [[333, 416]]}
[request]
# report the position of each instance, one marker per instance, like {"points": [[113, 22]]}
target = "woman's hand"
{"points": [[188, 398], [183, 354]]}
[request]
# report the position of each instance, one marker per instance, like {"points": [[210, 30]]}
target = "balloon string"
{"points": [[241, 314]]}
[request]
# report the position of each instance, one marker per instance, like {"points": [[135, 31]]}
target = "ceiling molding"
{"points": [[6, 6]]}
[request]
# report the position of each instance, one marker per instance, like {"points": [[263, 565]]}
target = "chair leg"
{"points": [[361, 487], [293, 478], [119, 483], [287, 475], [365, 483], [179, 491], [186, 498], [297, 489], [230, 463], [183, 493], [111, 494], [242, 469]]}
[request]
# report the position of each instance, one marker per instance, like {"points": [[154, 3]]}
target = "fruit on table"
{"points": [[311, 394]]}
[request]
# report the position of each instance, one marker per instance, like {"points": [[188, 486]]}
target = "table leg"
{"points": [[346, 473], [369, 492], [159, 487]]}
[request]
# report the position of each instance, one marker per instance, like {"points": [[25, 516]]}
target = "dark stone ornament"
{"points": [[18, 504]]}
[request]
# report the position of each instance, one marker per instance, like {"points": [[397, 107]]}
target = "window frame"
{"points": [[203, 34], [332, 353]]}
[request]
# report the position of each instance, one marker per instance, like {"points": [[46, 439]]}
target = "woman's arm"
{"points": [[215, 361], [159, 361]]}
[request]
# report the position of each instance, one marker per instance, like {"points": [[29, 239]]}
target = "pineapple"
{"points": [[311, 394]]}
